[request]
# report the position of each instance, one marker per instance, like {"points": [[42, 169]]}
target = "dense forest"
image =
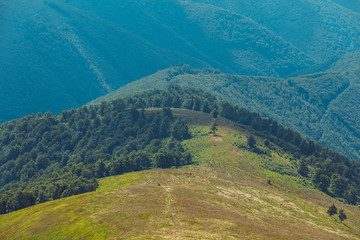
{"points": [[45, 157], [319, 106], [331, 172]]}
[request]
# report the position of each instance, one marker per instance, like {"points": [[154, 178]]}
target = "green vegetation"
{"points": [[46, 157], [115, 137], [328, 170], [318, 106], [213, 128], [353, 5], [224, 195], [303, 169], [332, 210], [251, 141], [101, 47], [311, 26], [342, 216]]}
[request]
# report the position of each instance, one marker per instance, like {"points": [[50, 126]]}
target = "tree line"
{"points": [[45, 157], [331, 172], [120, 136]]}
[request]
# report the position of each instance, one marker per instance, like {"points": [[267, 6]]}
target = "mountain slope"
{"points": [[59, 57], [225, 196], [353, 5], [234, 41], [347, 63], [46, 157], [324, 30], [58, 54], [319, 106]]}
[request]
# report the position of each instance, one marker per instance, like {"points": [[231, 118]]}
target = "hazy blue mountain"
{"points": [[322, 107], [229, 41], [54, 56], [323, 29], [58, 54], [347, 63], [353, 5]]}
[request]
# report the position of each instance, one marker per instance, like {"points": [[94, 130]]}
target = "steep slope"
{"points": [[54, 56], [228, 41], [347, 63], [224, 196], [320, 106], [48, 157], [353, 5], [58, 54], [322, 29]]}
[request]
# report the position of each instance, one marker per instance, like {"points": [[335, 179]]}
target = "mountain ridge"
{"points": [[225, 194], [43, 156], [317, 105], [103, 46]]}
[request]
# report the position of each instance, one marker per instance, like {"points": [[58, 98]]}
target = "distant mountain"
{"points": [[54, 56], [349, 63], [323, 29], [58, 54], [353, 5], [224, 39], [320, 106]]}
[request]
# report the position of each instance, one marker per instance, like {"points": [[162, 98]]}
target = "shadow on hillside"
{"points": [[346, 225]]}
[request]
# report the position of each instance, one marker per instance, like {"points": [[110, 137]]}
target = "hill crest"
{"points": [[319, 106], [225, 195]]}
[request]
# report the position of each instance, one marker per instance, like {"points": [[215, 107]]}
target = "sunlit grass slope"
{"points": [[224, 195], [319, 106]]}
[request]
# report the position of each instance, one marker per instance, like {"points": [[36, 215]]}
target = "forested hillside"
{"points": [[320, 106], [310, 25], [353, 5], [185, 119], [77, 50], [45, 157]]}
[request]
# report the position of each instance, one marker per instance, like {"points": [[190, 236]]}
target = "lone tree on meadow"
{"points": [[332, 210], [213, 128], [214, 113], [342, 216]]}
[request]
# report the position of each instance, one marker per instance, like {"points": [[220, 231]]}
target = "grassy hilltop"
{"points": [[224, 195], [319, 106]]}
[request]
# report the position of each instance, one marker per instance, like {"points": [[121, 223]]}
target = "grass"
{"points": [[111, 183], [225, 195]]}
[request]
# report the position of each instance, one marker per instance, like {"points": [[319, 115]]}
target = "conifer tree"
{"points": [[213, 128], [214, 113], [342, 216], [332, 210]]}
